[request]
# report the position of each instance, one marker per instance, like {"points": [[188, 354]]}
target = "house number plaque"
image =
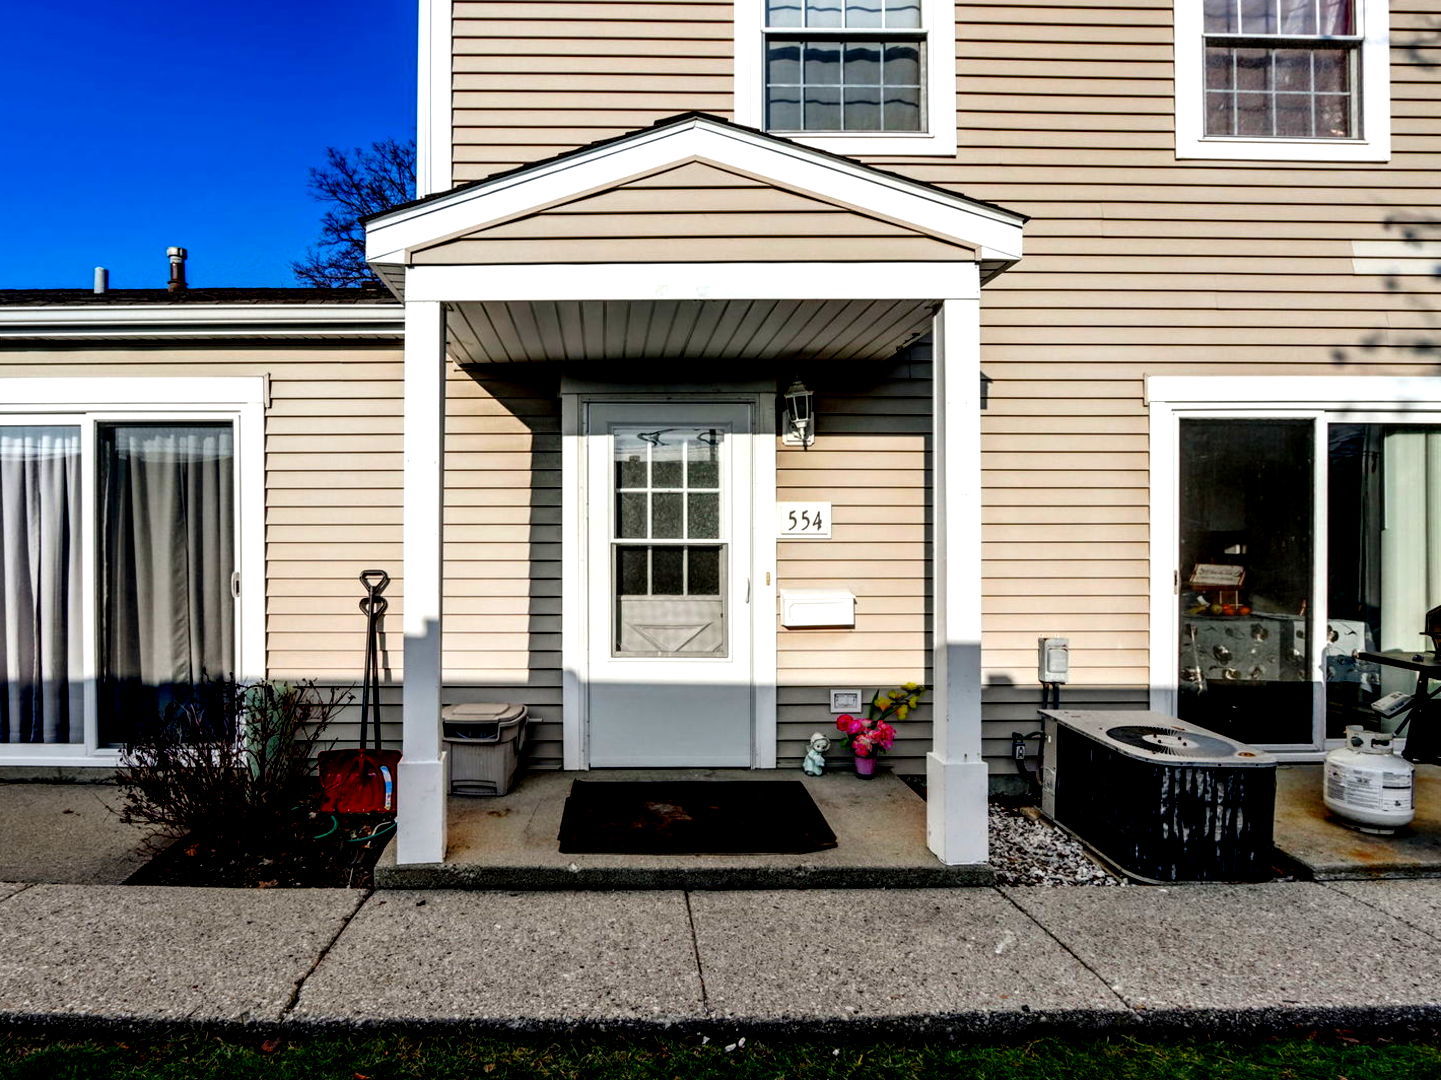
{"points": [[804, 520]]}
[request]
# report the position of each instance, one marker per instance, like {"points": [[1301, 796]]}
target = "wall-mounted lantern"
{"points": [[799, 424]]}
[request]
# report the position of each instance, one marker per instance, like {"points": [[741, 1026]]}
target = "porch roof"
{"points": [[695, 238], [878, 215]]}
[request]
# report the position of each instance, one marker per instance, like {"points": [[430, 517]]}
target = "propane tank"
{"points": [[1367, 785]]}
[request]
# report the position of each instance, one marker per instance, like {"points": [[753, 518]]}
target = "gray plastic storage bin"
{"points": [[484, 742]]}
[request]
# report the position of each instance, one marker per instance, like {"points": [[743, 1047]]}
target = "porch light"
{"points": [[799, 427]]}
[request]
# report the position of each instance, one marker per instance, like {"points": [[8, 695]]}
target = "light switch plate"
{"points": [[845, 701]]}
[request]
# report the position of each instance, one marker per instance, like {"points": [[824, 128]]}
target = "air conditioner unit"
{"points": [[1161, 799]]}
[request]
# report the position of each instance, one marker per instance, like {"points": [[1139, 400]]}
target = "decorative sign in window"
{"points": [[804, 520]]}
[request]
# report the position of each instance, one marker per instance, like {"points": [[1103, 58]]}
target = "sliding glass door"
{"points": [[42, 684], [117, 574], [1303, 542], [165, 526]]}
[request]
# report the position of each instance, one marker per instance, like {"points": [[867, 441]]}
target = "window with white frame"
{"points": [[120, 552], [844, 65], [853, 76], [1282, 79]]}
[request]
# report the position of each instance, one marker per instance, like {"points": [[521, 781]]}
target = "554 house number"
{"points": [[804, 520]]}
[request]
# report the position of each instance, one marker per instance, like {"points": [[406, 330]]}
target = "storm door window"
{"points": [[1285, 69], [41, 586], [844, 65], [669, 548], [166, 530]]}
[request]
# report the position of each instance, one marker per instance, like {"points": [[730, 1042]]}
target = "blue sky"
{"points": [[129, 127]]}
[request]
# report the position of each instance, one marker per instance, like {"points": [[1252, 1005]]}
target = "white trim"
{"points": [[80, 395], [1334, 393], [575, 655], [992, 229], [938, 20], [421, 809], [695, 281], [434, 132], [86, 402], [1321, 399], [956, 771], [1375, 89], [201, 320], [764, 659]]}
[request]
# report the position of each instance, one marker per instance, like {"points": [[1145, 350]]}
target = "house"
{"points": [[1120, 324]]}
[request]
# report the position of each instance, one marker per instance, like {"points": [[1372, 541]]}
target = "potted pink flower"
{"points": [[870, 737]]}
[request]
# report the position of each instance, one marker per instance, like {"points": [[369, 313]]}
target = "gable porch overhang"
{"points": [[473, 297]]}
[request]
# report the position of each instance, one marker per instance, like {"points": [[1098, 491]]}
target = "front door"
{"points": [[669, 562]]}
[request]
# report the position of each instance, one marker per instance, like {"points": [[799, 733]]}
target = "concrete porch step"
{"points": [[510, 843]]}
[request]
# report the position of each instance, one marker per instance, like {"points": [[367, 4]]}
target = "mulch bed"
{"points": [[292, 862]]}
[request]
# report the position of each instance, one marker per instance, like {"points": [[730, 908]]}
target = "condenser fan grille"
{"points": [[1171, 742]]}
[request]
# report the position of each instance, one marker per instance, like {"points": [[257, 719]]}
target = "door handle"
{"points": [[748, 590]]}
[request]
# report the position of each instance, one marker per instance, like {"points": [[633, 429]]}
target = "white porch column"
{"points": [[956, 775], [420, 818]]}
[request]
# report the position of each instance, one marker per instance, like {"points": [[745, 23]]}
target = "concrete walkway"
{"points": [[973, 961]]}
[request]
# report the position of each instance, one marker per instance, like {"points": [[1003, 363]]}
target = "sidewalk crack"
{"points": [[1071, 952], [324, 952], [695, 952]]}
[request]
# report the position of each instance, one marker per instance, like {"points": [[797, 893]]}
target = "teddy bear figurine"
{"points": [[815, 762]]}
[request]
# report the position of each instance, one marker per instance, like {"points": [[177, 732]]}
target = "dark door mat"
{"points": [[692, 817]]}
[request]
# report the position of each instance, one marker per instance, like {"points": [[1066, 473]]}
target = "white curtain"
{"points": [[1410, 538], [166, 523], [41, 691]]}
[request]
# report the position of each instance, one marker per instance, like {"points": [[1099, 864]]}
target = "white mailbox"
{"points": [[818, 607]]}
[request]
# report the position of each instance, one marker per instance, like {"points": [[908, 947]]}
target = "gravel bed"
{"points": [[1030, 852]]}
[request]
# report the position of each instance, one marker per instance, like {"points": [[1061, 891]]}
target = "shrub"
{"points": [[234, 766]]}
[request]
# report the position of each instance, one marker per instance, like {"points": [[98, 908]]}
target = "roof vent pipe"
{"points": [[102, 280], [177, 268]]}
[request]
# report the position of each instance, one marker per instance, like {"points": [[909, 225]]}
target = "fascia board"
{"points": [[857, 187], [131, 320]]}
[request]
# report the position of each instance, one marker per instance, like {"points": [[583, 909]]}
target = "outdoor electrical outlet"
{"points": [[1053, 660], [1018, 746]]}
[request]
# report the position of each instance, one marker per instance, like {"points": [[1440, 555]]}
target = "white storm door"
{"points": [[669, 555]]}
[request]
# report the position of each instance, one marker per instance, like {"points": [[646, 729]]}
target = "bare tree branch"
{"points": [[354, 183]]}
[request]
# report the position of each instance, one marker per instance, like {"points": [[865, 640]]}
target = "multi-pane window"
{"points": [[669, 588], [1282, 69], [844, 65]]}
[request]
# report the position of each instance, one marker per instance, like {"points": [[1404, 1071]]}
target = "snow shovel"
{"points": [[363, 781]]}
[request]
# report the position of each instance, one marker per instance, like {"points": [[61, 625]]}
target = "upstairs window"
{"points": [[1282, 79], [1282, 68], [867, 77], [844, 65]]}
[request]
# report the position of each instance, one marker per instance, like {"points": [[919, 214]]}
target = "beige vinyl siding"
{"points": [[694, 213], [533, 78], [332, 489], [870, 461], [1136, 264], [502, 546]]}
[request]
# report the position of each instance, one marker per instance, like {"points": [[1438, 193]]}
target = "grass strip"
{"points": [[1326, 1056]]}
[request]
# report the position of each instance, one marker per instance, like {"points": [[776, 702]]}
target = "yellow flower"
{"points": [[902, 711], [914, 700], [908, 686], [883, 702]]}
